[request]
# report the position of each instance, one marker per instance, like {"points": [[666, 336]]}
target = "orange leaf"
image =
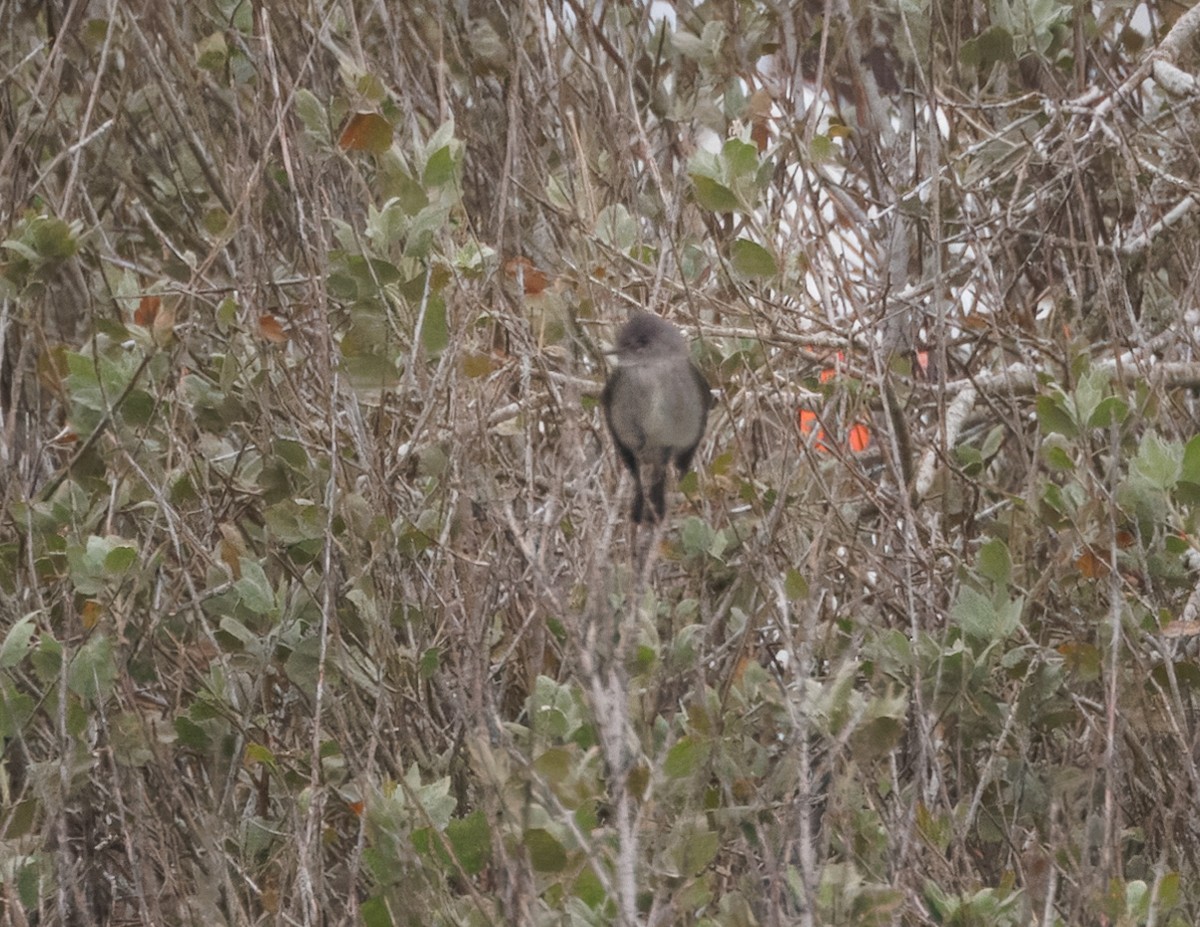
{"points": [[830, 372], [1091, 566], [366, 132], [810, 427], [270, 329], [146, 311], [90, 616], [859, 439]]}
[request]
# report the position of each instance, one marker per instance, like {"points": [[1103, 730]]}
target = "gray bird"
{"points": [[656, 404]]}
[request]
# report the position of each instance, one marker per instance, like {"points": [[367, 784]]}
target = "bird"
{"points": [[656, 405]]}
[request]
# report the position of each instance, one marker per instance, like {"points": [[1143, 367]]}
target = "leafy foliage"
{"points": [[316, 604]]}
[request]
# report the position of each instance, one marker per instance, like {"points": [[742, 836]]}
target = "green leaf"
{"points": [[431, 662], [821, 148], [984, 618], [425, 224], [1168, 891], [303, 665], [369, 371], [312, 114], [546, 854], [685, 757], [100, 559], [1137, 901], [1056, 456], [254, 589], [120, 559], [588, 888], [556, 764], [969, 459], [293, 522], [713, 196], [30, 880], [192, 735], [257, 753], [52, 240], [695, 851], [15, 711], [752, 260], [1158, 463], [698, 48], [616, 228], [696, 536], [995, 45], [992, 442], [1054, 419], [795, 586], [741, 160], [441, 169], [1110, 411], [93, 670], [18, 642], [1190, 466], [471, 839], [212, 52], [20, 818], [1090, 390], [434, 797], [994, 562], [374, 913], [435, 331]]}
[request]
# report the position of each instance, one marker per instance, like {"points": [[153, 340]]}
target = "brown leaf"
{"points": [[163, 326], [1181, 629], [89, 617], [146, 311], [533, 280], [760, 114], [231, 548], [1091, 566], [478, 365], [52, 367], [270, 328], [366, 132]]}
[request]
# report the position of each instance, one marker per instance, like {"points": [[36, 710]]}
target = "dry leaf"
{"points": [[232, 548], [89, 617], [760, 125], [147, 311], [533, 280], [163, 327], [270, 328], [1181, 629], [366, 132], [1091, 566]]}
